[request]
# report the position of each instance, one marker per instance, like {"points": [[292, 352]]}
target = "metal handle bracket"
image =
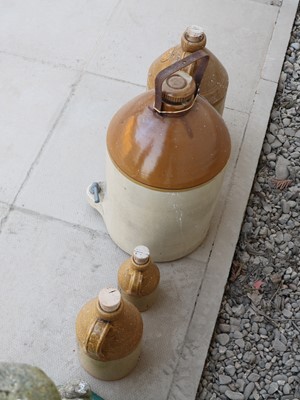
{"points": [[165, 73]]}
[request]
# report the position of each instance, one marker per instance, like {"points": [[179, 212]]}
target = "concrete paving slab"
{"points": [[54, 31], [31, 97], [60, 262], [51, 270], [80, 136], [4, 209], [238, 34]]}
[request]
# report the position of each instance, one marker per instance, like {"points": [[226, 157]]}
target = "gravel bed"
{"points": [[255, 353]]}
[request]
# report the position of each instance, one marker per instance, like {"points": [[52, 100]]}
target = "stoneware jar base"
{"points": [[110, 370]]}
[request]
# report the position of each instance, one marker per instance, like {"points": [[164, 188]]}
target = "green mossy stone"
{"points": [[25, 382]]}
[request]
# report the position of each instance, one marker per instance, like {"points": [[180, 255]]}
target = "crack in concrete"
{"points": [[49, 218]]}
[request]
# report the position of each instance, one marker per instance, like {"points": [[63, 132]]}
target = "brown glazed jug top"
{"points": [[138, 278], [215, 80], [115, 334], [168, 151]]}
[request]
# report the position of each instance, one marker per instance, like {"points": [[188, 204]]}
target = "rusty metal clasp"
{"points": [[199, 55]]}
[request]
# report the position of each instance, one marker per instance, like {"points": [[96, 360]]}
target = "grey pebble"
{"points": [[248, 390], [235, 322], [286, 389], [225, 328], [223, 388], [271, 157], [273, 388], [222, 349], [271, 138], [240, 343], [284, 219], [287, 237], [295, 45], [285, 206], [267, 148], [224, 379], [239, 310], [289, 363], [223, 339], [278, 345], [278, 237], [287, 313], [254, 327], [253, 377], [289, 132], [276, 144], [249, 357], [295, 154], [281, 168], [241, 384], [263, 331], [279, 377], [273, 128], [238, 335], [230, 369], [234, 395]]}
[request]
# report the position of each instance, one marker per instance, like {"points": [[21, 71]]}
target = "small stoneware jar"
{"points": [[138, 279], [109, 333], [215, 80]]}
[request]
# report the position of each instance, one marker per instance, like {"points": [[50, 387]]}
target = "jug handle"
{"points": [[96, 338], [135, 282], [165, 73]]}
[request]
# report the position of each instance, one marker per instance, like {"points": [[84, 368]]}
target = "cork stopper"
{"points": [[178, 88], [109, 299], [194, 33], [141, 255]]}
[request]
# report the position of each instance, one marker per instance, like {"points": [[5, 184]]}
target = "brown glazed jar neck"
{"points": [[191, 47], [177, 109], [139, 267], [109, 316], [147, 277]]}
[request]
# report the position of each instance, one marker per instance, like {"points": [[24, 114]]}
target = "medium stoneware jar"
{"points": [[215, 80], [138, 279], [167, 153], [109, 334]]}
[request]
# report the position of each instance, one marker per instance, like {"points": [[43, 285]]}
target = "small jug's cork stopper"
{"points": [[141, 255], [178, 87], [194, 33], [109, 299]]}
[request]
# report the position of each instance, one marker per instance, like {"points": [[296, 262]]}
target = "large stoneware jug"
{"points": [[167, 153]]}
